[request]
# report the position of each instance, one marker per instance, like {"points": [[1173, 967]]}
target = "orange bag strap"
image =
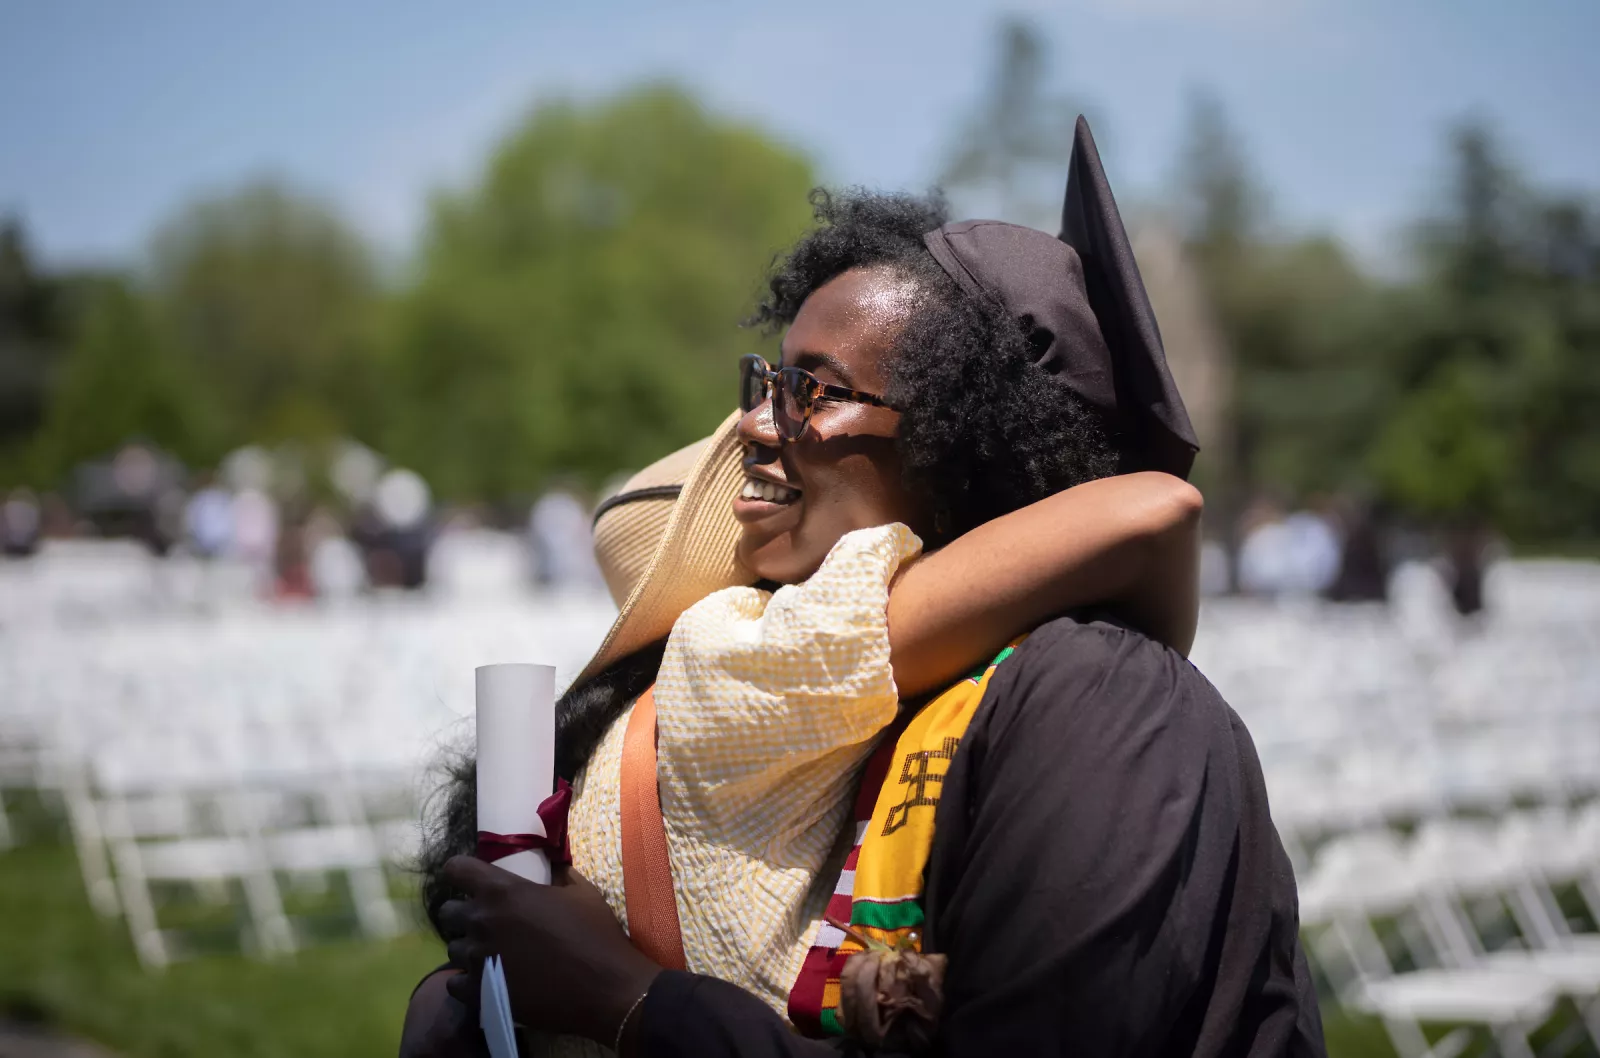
{"points": [[646, 870]]}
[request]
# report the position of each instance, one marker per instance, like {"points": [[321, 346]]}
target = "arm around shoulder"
{"points": [[1130, 543]]}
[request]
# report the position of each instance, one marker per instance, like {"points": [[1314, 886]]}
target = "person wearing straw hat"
{"points": [[1067, 849]]}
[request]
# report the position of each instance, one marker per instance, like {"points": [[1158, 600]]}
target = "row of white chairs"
{"points": [[236, 755], [1402, 748], [210, 841], [1429, 892], [89, 582], [1360, 718]]}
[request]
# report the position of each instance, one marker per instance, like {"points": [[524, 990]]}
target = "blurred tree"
{"points": [[1559, 434], [1312, 372], [1441, 455], [1219, 214], [1218, 211], [31, 334], [121, 381], [1305, 333], [1464, 394], [1500, 368], [576, 310], [1224, 209], [1472, 241], [268, 298], [1010, 154]]}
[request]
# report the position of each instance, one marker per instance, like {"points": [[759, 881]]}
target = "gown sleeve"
{"points": [[1105, 878]]}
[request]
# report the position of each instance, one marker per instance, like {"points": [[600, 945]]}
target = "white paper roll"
{"points": [[516, 756]]}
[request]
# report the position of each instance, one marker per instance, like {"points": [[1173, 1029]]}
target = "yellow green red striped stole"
{"points": [[879, 892]]}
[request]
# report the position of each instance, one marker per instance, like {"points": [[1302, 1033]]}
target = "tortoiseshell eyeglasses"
{"points": [[795, 393]]}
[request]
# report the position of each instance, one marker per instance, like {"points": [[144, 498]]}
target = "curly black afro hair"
{"points": [[983, 431]]}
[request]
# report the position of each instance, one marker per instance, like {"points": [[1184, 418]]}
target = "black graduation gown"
{"points": [[1104, 877]]}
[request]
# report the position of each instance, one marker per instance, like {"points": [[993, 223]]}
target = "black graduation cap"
{"points": [[1081, 301]]}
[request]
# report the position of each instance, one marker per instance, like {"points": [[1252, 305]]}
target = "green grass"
{"points": [[1352, 1036], [61, 963]]}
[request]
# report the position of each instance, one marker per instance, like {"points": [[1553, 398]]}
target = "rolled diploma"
{"points": [[516, 756]]}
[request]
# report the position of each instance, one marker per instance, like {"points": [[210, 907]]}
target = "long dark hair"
{"points": [[583, 714]]}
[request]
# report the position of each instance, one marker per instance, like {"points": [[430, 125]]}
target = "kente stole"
{"points": [[880, 888]]}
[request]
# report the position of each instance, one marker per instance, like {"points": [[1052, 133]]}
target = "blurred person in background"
{"points": [[394, 531], [1363, 574], [1049, 929], [366, 533], [1312, 543], [1265, 554], [208, 519], [133, 494], [559, 538], [291, 561], [57, 519], [167, 519], [254, 518], [208, 531], [1287, 555], [355, 471], [1468, 549], [334, 562], [20, 522]]}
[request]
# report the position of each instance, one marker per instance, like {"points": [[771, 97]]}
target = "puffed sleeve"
{"points": [[767, 704]]}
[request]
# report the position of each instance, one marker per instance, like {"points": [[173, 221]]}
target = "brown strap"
{"points": [[646, 870]]}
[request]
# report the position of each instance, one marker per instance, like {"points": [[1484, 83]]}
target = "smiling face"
{"points": [[843, 472]]}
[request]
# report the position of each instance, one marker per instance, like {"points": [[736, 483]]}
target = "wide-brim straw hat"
{"points": [[629, 524], [667, 540]]}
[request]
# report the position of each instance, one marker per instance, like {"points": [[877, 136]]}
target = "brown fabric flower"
{"points": [[892, 999]]}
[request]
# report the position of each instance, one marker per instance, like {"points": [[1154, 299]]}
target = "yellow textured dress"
{"points": [[767, 705]]}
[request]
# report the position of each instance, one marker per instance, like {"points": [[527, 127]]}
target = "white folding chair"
{"points": [[1456, 861], [169, 816], [142, 855], [1369, 875]]}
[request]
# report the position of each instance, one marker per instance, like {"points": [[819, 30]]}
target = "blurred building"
{"points": [[1196, 352]]}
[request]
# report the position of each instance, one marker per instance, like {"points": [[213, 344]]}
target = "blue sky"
{"points": [[114, 113]]}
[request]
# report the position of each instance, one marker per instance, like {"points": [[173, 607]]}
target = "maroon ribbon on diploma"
{"points": [[553, 842]]}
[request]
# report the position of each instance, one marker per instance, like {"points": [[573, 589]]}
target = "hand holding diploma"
{"points": [[516, 754], [568, 967], [548, 956]]}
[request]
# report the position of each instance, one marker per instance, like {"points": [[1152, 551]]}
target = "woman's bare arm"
{"points": [[1129, 542]]}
